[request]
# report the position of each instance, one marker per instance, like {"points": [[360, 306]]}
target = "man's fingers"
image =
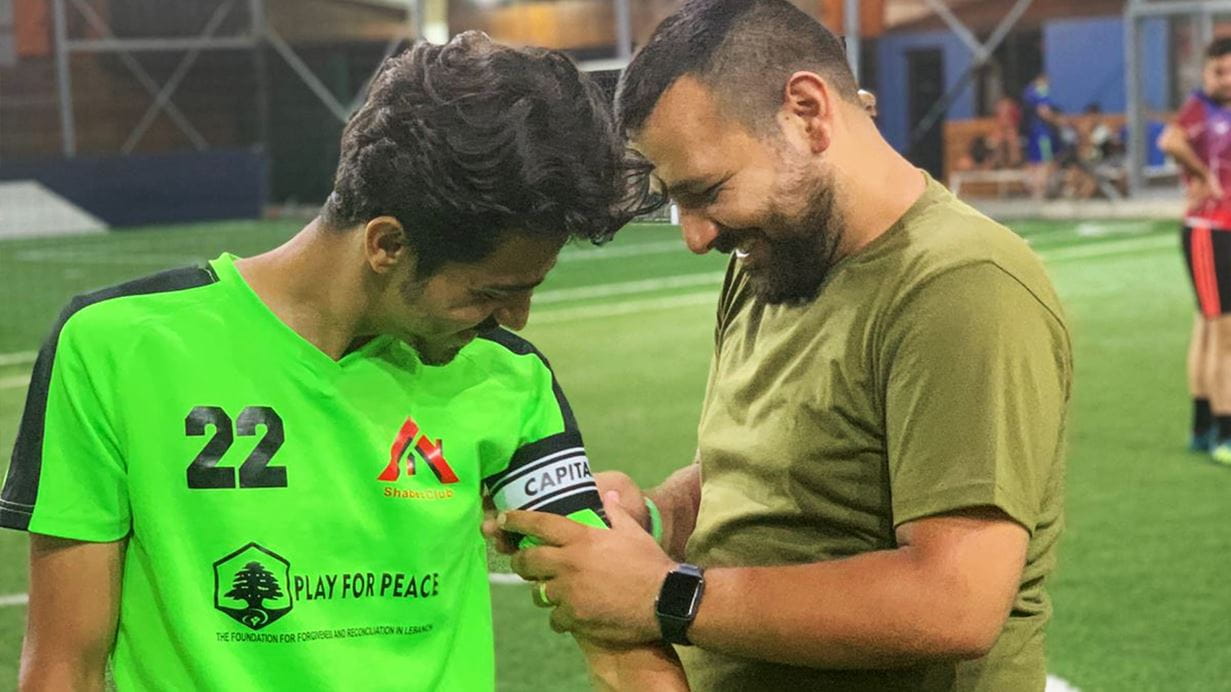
{"points": [[540, 596], [617, 515], [551, 529], [490, 528], [503, 542], [536, 564]]}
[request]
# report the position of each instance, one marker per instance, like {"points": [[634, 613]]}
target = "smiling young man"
{"points": [[878, 489], [266, 473]]}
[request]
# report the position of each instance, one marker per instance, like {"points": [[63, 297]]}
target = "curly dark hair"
{"points": [[467, 142]]}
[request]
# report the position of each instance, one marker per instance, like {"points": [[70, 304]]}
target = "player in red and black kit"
{"points": [[1200, 141]]}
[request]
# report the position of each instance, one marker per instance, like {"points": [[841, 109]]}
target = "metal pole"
{"points": [[852, 29], [417, 20], [309, 78], [956, 26], [981, 56], [68, 128], [173, 82], [624, 30], [1136, 119], [260, 67], [1205, 29], [1006, 25], [142, 76], [362, 94], [137, 45]]}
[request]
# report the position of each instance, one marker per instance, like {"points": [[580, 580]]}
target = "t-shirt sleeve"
{"points": [[549, 471], [67, 477], [1191, 117], [977, 379]]}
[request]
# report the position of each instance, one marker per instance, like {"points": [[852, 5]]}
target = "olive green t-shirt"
{"points": [[931, 374]]}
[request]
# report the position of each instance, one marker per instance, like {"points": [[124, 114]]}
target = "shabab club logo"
{"points": [[417, 448]]}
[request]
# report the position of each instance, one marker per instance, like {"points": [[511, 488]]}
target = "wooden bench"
{"points": [[1001, 182]]}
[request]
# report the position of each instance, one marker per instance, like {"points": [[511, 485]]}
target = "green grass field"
{"points": [[1143, 595]]}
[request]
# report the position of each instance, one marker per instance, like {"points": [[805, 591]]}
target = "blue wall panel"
{"points": [[1085, 60], [156, 188], [1084, 57], [892, 89]]}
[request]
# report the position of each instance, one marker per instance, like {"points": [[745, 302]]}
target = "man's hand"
{"points": [[631, 499], [1205, 189], [602, 582]]}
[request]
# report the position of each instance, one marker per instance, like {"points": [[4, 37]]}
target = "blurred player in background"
{"points": [[879, 485], [1040, 121], [1200, 141], [266, 473]]}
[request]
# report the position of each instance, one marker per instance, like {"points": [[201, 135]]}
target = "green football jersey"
{"points": [[292, 521]]}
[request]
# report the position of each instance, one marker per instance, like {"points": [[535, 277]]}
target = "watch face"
{"points": [[678, 594]]}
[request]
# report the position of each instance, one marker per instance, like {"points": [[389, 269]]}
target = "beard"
{"points": [[801, 248], [434, 354]]}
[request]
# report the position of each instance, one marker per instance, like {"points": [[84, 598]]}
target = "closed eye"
{"points": [[486, 296], [703, 198], [494, 295]]}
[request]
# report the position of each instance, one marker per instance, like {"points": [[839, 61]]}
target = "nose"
{"points": [[699, 231], [515, 313]]}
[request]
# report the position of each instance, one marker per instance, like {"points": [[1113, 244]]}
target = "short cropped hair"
{"points": [[1218, 48], [743, 50]]}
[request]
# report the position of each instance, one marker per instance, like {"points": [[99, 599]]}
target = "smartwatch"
{"points": [[678, 601]]}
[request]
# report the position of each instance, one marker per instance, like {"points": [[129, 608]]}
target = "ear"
{"points": [[808, 105], [384, 244]]}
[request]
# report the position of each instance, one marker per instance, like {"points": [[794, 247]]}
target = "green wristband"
{"points": [[587, 517], [656, 520]]}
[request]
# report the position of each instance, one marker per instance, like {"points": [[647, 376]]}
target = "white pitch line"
{"points": [[543, 317], [625, 288], [505, 579], [1058, 684], [88, 257], [1092, 229], [627, 307], [14, 599], [18, 358], [14, 382], [1107, 249], [609, 252], [95, 256], [555, 316]]}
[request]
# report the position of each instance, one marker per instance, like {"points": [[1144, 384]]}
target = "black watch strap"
{"points": [[678, 601], [675, 630]]}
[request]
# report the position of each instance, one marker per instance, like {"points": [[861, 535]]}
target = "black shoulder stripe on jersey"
{"points": [[536, 454], [550, 475], [21, 487], [521, 347]]}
